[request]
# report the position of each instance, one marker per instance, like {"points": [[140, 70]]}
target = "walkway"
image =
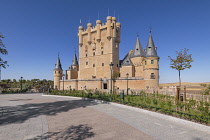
{"points": [[35, 117]]}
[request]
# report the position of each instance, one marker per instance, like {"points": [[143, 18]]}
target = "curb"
{"points": [[194, 125]]}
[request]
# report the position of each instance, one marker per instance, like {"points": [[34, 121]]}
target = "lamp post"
{"points": [[111, 68], [21, 78], [0, 73], [127, 82], [63, 82]]}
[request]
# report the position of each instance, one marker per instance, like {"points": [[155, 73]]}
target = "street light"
{"points": [[0, 73], [127, 82], [63, 82], [21, 78], [111, 68]]}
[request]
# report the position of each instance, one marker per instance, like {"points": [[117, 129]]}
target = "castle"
{"points": [[99, 66]]}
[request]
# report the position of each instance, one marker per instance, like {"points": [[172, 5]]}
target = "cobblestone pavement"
{"points": [[35, 117]]}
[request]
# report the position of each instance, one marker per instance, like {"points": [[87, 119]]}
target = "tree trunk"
{"points": [[179, 80]]}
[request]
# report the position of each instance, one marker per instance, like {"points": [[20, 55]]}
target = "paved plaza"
{"points": [[37, 117]]}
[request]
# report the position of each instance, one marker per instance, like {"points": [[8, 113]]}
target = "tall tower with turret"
{"points": [[98, 47], [151, 64], [58, 72]]}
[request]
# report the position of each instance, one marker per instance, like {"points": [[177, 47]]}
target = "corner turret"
{"points": [[72, 72], [74, 62], [151, 64], [58, 72]]}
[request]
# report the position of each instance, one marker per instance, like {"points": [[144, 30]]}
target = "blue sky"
{"points": [[36, 30]]}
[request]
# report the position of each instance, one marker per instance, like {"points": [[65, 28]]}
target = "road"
{"points": [[35, 117]]}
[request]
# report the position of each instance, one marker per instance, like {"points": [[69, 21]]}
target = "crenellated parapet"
{"points": [[111, 26]]}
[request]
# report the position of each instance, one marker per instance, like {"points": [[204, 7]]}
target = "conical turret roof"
{"points": [[151, 50], [58, 64], [138, 50], [74, 61]]}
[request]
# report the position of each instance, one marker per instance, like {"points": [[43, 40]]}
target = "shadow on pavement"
{"points": [[21, 100], [21, 113], [78, 132]]}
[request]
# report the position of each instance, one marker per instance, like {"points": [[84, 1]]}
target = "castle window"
{"points": [[86, 63], [102, 64], [93, 65], [117, 65], [86, 55], [149, 48], [152, 76], [105, 85], [145, 62], [58, 71], [102, 52], [152, 61], [55, 72], [93, 53]]}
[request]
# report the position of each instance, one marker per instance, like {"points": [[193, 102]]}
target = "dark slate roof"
{"points": [[151, 50], [58, 64], [126, 61], [74, 61], [138, 50]]}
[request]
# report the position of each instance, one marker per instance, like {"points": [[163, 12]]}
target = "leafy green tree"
{"points": [[3, 51], [182, 61]]}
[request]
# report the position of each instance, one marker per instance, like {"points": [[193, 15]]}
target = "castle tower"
{"points": [[72, 72], [58, 72], [137, 58], [75, 63], [151, 64], [98, 47]]}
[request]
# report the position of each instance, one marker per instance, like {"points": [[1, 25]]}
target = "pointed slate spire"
{"points": [[151, 50], [74, 61], [138, 50], [58, 64]]}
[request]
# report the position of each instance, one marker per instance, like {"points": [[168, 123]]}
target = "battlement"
{"points": [[112, 27]]}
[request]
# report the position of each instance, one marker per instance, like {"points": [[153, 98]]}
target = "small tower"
{"points": [[72, 72], [58, 72], [75, 63], [137, 58], [151, 64]]}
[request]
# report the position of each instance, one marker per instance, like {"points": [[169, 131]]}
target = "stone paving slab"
{"points": [[34, 117], [158, 126]]}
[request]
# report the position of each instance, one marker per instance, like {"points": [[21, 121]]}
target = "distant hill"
{"points": [[191, 87]]}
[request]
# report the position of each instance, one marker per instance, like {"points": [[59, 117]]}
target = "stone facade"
{"points": [[99, 59]]}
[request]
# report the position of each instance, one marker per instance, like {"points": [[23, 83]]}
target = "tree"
{"points": [[183, 60], [3, 51]]}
